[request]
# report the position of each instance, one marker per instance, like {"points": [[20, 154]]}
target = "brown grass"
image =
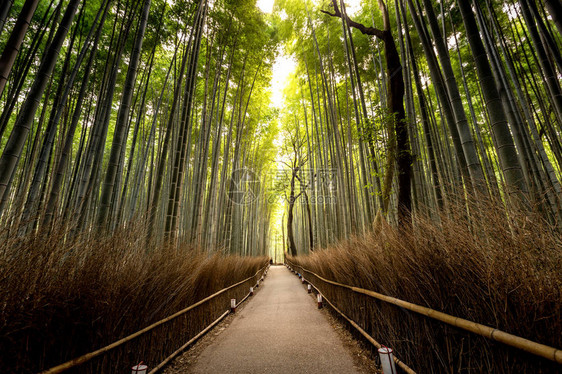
{"points": [[488, 270], [60, 299]]}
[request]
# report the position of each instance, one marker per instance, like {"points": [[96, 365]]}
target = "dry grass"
{"points": [[486, 269], [61, 299]]}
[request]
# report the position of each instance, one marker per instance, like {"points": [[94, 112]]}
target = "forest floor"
{"points": [[280, 330]]}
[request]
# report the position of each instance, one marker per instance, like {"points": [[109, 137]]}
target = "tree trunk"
{"points": [[555, 10], [16, 141], [469, 150], [290, 234], [396, 108], [16, 38], [121, 126], [507, 153]]}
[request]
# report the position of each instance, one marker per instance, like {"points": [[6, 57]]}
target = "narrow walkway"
{"points": [[280, 330]]}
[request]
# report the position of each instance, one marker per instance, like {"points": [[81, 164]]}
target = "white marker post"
{"points": [[309, 288], [140, 368], [233, 305], [251, 291], [319, 301], [387, 360], [302, 280]]}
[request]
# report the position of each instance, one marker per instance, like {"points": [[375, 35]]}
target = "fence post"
{"points": [[140, 368], [387, 360]]}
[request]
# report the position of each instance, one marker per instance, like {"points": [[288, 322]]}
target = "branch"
{"points": [[286, 164], [302, 183], [364, 29]]}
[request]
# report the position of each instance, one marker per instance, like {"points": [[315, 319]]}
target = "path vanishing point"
{"points": [[280, 330]]}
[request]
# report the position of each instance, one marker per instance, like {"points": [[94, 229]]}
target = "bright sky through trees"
{"points": [[282, 68], [265, 5], [284, 65]]}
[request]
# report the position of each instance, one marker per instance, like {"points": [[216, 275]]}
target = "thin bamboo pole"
{"points": [[89, 356], [526, 345], [398, 362], [191, 341]]}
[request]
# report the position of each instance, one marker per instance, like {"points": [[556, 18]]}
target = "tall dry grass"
{"points": [[60, 299], [485, 267]]}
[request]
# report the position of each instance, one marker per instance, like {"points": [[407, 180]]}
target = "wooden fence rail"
{"points": [[89, 356], [398, 362], [526, 345]]}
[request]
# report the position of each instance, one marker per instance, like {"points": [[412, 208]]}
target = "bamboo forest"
{"points": [[402, 157]]}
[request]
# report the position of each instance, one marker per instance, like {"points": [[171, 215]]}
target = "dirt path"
{"points": [[280, 330]]}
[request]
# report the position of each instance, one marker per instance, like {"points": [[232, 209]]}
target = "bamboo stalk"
{"points": [[526, 345]]}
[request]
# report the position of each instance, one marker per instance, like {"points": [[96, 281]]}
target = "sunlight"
{"points": [[512, 11], [265, 6], [283, 67], [351, 6]]}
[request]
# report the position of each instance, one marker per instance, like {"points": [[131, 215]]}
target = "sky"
{"points": [[266, 6], [282, 68], [352, 6], [284, 65]]}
